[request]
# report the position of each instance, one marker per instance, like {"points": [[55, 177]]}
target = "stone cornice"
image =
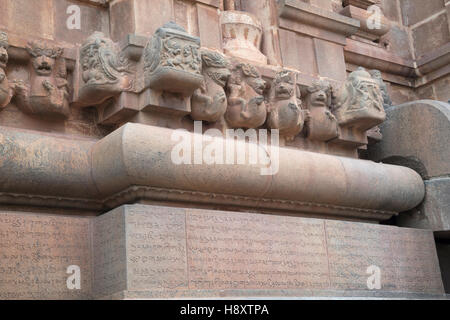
{"points": [[303, 18], [411, 73]]}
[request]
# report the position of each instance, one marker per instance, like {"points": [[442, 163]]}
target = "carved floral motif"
{"points": [[103, 69], [285, 113], [246, 106], [209, 103], [322, 125], [172, 61], [360, 102]]}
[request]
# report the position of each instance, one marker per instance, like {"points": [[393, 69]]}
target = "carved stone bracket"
{"points": [[209, 103], [246, 102], [322, 124], [360, 102], [47, 92], [5, 89], [172, 61], [285, 112], [103, 71]]}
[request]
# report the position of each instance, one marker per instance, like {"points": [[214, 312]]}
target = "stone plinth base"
{"points": [[153, 252], [288, 294], [143, 251]]}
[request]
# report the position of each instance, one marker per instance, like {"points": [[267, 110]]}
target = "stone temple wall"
{"points": [[93, 92]]}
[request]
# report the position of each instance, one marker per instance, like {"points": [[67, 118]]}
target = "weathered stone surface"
{"points": [[417, 131], [414, 11], [6, 91], [401, 254], [117, 166], [103, 71], [209, 103], [376, 75], [330, 60], [140, 247], [292, 43], [433, 213], [360, 102], [209, 26], [205, 251], [35, 252], [91, 19], [46, 94], [172, 61], [364, 17], [441, 87], [246, 106], [82, 173], [416, 135], [322, 125], [432, 34], [30, 18], [285, 112]]}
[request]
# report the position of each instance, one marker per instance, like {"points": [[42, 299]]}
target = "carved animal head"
{"points": [[247, 73], [216, 67], [43, 56], [319, 94], [361, 91], [3, 49], [283, 85]]}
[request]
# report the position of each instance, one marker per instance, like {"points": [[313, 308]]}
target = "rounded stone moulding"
{"points": [[134, 163]]}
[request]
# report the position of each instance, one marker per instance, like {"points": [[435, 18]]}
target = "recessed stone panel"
{"points": [[251, 251], [177, 252]]}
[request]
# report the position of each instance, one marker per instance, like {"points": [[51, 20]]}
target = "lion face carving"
{"points": [[209, 103], [246, 107], [43, 57]]}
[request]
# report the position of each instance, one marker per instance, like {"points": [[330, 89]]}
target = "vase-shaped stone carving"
{"points": [[322, 124], [242, 35], [285, 113], [246, 106], [47, 92], [172, 61], [360, 102], [103, 70], [209, 103], [376, 75], [5, 89]]}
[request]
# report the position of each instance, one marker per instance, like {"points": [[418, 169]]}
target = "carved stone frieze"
{"points": [[322, 124], [172, 61], [5, 89], [209, 103], [103, 70], [360, 102], [285, 113], [246, 105], [47, 92]]}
